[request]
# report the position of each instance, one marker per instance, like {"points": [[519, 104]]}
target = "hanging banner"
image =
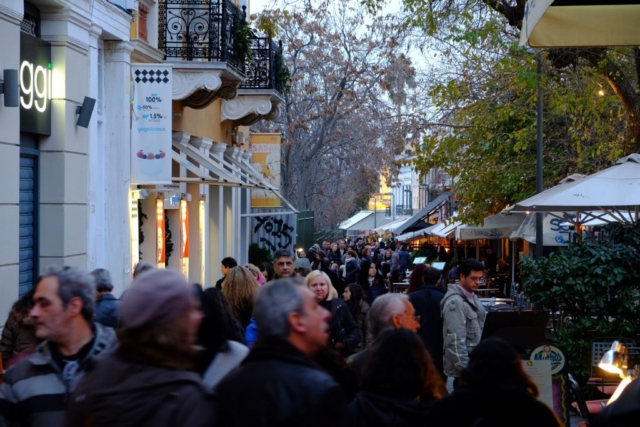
{"points": [[161, 248], [265, 152], [184, 237], [151, 124]]}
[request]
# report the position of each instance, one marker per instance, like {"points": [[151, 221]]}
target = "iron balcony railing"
{"points": [[261, 70], [199, 30]]}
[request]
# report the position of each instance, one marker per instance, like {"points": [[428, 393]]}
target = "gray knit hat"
{"points": [[155, 297]]}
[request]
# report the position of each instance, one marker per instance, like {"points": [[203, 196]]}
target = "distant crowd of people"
{"points": [[262, 346]]}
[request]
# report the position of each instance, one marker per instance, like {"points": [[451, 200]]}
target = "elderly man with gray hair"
{"points": [[278, 384], [107, 306], [387, 311], [36, 389]]}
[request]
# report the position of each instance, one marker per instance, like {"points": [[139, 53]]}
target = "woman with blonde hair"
{"points": [[257, 274], [238, 287], [344, 334]]}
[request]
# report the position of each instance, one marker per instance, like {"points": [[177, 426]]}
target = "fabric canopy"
{"points": [[363, 220], [576, 23], [420, 219], [414, 234], [499, 226], [555, 231], [444, 229], [392, 225], [615, 191]]}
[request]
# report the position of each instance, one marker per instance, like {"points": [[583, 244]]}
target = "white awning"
{"points": [[498, 226], [220, 171], [345, 225], [443, 230], [390, 226]]}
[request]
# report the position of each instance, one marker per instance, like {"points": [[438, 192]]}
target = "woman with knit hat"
{"points": [[147, 379]]}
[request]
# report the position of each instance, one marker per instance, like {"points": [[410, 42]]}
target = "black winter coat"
{"points": [[373, 410], [108, 311], [426, 301], [487, 408], [279, 386], [342, 327]]}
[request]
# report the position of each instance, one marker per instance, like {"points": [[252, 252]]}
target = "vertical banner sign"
{"points": [[184, 237], [265, 152], [161, 256], [151, 124]]}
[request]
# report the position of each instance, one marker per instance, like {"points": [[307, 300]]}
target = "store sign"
{"points": [[161, 244], [151, 129], [35, 78]]}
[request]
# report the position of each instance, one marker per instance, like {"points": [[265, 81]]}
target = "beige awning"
{"points": [[581, 23]]}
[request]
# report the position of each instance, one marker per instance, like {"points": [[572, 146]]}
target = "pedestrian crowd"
{"points": [[263, 347]]}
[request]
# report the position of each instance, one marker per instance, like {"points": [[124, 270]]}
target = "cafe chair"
{"points": [[587, 409]]}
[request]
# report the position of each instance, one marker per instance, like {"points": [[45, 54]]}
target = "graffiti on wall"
{"points": [[274, 232]]}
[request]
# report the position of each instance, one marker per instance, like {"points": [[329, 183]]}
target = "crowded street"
{"points": [[319, 213]]}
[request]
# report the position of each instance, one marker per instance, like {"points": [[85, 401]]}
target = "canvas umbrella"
{"points": [[498, 226], [614, 191], [576, 23]]}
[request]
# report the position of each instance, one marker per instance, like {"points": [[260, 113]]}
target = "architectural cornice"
{"points": [[11, 15], [198, 84], [144, 52], [243, 106]]}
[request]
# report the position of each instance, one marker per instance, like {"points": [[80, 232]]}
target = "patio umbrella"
{"points": [[498, 226], [614, 191], [575, 23]]}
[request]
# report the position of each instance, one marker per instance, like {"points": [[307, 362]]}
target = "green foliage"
{"points": [[595, 284], [242, 39], [258, 254]]}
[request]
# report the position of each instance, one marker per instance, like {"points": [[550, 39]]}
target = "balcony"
{"points": [[260, 95], [198, 37]]}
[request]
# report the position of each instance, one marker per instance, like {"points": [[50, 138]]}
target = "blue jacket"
{"points": [[405, 260], [108, 311]]}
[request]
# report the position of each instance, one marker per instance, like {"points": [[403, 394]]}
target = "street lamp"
{"points": [[375, 210]]}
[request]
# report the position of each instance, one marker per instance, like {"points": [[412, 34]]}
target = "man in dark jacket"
{"points": [[36, 389], [107, 306], [404, 258], [278, 384], [426, 300]]}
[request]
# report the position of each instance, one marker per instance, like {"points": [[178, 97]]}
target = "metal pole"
{"points": [[539, 178]]}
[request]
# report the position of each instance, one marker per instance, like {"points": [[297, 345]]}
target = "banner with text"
{"points": [[265, 151], [151, 124]]}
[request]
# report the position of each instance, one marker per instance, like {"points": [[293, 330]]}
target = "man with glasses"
{"points": [[463, 317]]}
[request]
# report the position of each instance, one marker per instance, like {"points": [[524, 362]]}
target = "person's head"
{"points": [[387, 254], [392, 311], [502, 262], [334, 247], [352, 254], [285, 310], [415, 279], [400, 366], [226, 264], [382, 245], [303, 271], [353, 294], [238, 287], [431, 276], [342, 244], [471, 272], [359, 241], [320, 284], [283, 263], [104, 284], [63, 301], [265, 269], [403, 247], [141, 267], [326, 245], [256, 273], [366, 251], [489, 251], [160, 317], [219, 323], [392, 247], [302, 254], [494, 365]]}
